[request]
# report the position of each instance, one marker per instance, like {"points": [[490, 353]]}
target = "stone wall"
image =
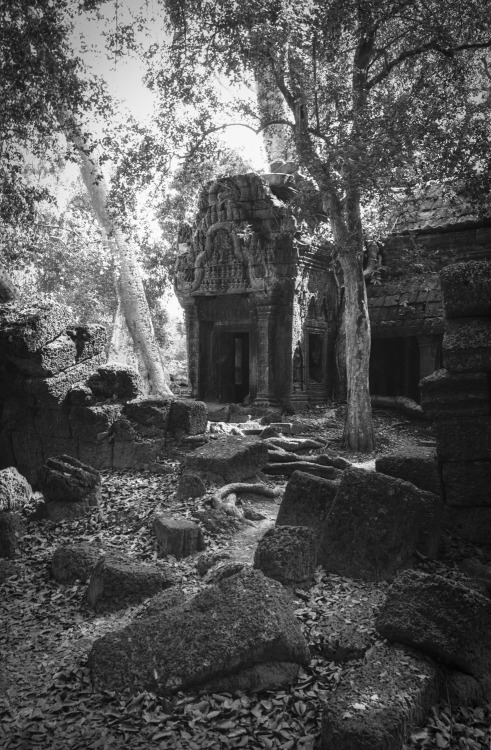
{"points": [[58, 397], [458, 399]]}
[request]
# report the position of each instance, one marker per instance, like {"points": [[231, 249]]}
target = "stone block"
{"points": [[81, 395], [441, 617], [190, 485], [466, 289], [115, 381], [118, 581], [240, 634], [376, 524], [464, 439], [386, 698], [90, 340], [25, 329], [51, 392], [138, 454], [470, 523], [188, 416], [288, 554], [447, 395], [98, 455], [307, 501], [230, 458], [467, 482], [65, 479], [92, 423], [72, 562], [52, 358], [178, 537], [419, 466], [15, 490], [467, 345], [29, 455], [149, 412]]}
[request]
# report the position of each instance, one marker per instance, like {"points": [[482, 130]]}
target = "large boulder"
{"points": [[466, 289], [240, 634], [118, 581], [72, 562], [418, 466], [441, 617], [448, 395], [115, 381], [376, 524], [288, 554], [386, 697], [307, 501], [467, 345], [228, 459], [15, 490]]}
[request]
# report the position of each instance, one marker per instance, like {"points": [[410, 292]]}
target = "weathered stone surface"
{"points": [[238, 634], [217, 521], [288, 554], [81, 395], [466, 289], [64, 479], [137, 454], [52, 358], [58, 510], [163, 602], [471, 523], [15, 490], [190, 485], [11, 530], [51, 392], [386, 698], [149, 412], [419, 466], [188, 416], [177, 536], [447, 395], [98, 455], [467, 345], [375, 525], [461, 689], [306, 501], [8, 569], [90, 340], [90, 424], [51, 422], [72, 562], [115, 381], [208, 560], [223, 570], [440, 617], [467, 482], [24, 329], [229, 458], [117, 581], [463, 439]]}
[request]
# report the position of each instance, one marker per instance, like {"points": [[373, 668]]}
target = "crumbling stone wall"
{"points": [[458, 399], [58, 397]]}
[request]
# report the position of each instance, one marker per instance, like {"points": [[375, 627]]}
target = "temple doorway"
{"points": [[233, 366]]}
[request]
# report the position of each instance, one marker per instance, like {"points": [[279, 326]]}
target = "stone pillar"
{"points": [[192, 338], [264, 355], [428, 349]]}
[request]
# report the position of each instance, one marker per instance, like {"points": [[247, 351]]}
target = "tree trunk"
{"points": [[131, 293], [7, 289], [276, 138]]}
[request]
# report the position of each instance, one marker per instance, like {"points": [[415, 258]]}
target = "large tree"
{"points": [[379, 95]]}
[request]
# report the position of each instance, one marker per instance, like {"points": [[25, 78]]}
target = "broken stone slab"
{"points": [[376, 524], [52, 358], [417, 465], [190, 485], [467, 483], [80, 395], [208, 560], [187, 416], [15, 490], [461, 689], [240, 634], [463, 439], [467, 345], [65, 479], [52, 392], [11, 531], [72, 562], [178, 537], [448, 395], [163, 602], [138, 454], [149, 412], [228, 459], [118, 581], [385, 698], [91, 424], [90, 340], [466, 289], [115, 381], [25, 329], [288, 554], [307, 501], [441, 617], [223, 570]]}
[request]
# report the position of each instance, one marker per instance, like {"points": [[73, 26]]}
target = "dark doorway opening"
{"points": [[233, 366], [394, 367]]}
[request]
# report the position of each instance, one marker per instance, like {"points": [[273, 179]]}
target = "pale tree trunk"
{"points": [[7, 288], [276, 138], [131, 294]]}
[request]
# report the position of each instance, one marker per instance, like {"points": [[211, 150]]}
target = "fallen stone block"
{"points": [[307, 501], [467, 345], [288, 554], [223, 570], [240, 634], [466, 289], [59, 510], [177, 536], [65, 479], [137, 454], [470, 523], [467, 482], [418, 466], [460, 689], [448, 395], [230, 459], [72, 562], [375, 525], [52, 392], [91, 424], [385, 699], [149, 412], [115, 381], [15, 490], [208, 560], [98, 455], [163, 602], [440, 617], [11, 531], [90, 340], [25, 329], [190, 485], [117, 581], [189, 417], [52, 358], [463, 439]]}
